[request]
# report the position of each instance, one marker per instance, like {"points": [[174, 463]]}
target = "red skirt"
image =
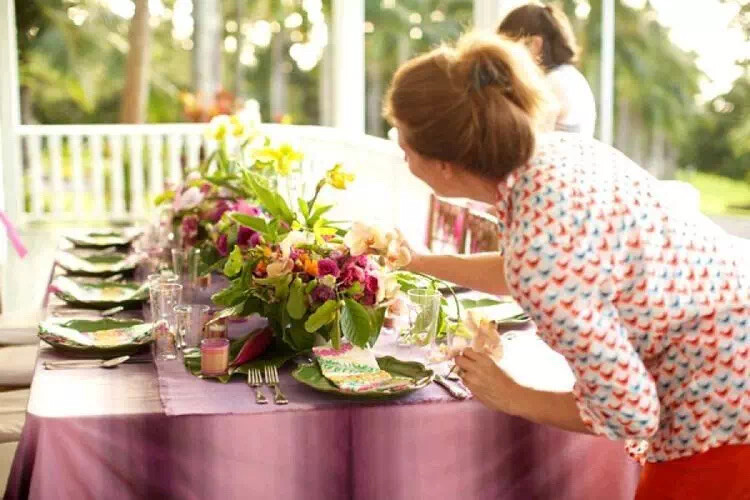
{"points": [[721, 473]]}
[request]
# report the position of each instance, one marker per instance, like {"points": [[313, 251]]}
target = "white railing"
{"points": [[88, 173]]}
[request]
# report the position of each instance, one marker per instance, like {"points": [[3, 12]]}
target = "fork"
{"points": [[272, 380], [255, 380]]}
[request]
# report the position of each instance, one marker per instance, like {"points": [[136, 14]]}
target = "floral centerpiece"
{"points": [[311, 279], [195, 209]]}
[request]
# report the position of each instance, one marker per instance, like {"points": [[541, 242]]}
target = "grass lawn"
{"points": [[719, 195]]}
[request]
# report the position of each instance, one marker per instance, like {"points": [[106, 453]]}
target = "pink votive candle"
{"points": [[214, 356]]}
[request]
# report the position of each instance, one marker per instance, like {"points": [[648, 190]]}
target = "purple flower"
{"points": [[189, 230], [328, 266], [371, 284], [222, 245], [244, 207], [322, 293], [221, 207], [350, 274], [293, 253], [361, 261], [247, 237]]}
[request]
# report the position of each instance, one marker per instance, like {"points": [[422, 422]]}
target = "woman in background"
{"points": [[546, 32]]}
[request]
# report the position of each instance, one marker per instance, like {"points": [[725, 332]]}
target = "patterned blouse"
{"points": [[649, 305]]}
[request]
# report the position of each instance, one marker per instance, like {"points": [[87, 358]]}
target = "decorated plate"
{"points": [[310, 374], [103, 238], [100, 295], [97, 264], [96, 338]]}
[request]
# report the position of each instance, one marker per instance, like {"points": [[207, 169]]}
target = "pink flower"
{"points": [[328, 266], [371, 284], [244, 207], [221, 207], [322, 293], [189, 230], [205, 188], [222, 245], [187, 200], [350, 274], [247, 237]]}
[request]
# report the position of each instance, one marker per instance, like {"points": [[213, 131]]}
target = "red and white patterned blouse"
{"points": [[649, 304]]}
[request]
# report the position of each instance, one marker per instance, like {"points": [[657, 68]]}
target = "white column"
{"points": [[348, 45], [10, 113], [607, 91], [487, 14]]}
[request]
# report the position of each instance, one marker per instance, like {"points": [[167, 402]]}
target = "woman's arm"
{"points": [[497, 390], [484, 272]]}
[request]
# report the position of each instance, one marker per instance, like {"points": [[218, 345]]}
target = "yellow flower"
{"points": [[218, 127], [282, 159], [338, 178]]}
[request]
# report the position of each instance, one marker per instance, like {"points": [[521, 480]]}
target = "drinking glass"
{"points": [[191, 319], [164, 297], [424, 310], [185, 265]]}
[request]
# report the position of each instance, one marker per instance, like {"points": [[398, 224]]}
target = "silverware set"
{"points": [[256, 380]]}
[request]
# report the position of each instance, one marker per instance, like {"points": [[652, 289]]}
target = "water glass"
{"points": [[424, 310], [191, 319], [185, 264], [164, 297]]}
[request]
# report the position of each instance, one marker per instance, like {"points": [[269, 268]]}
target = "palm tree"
{"points": [[135, 92]]}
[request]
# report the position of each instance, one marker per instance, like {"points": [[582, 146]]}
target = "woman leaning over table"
{"points": [[650, 309]]}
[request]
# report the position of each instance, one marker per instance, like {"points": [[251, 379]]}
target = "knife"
{"points": [[453, 389]]}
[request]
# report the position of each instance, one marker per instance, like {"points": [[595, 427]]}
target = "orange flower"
{"points": [[261, 267], [311, 267], [267, 251]]}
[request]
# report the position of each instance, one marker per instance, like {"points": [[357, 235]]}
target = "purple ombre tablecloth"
{"points": [[94, 433]]}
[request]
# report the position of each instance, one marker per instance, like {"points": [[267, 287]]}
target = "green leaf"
{"points": [[355, 323], [271, 201], [318, 210], [282, 288], [322, 316], [230, 296], [234, 263], [164, 197], [252, 305], [303, 208], [355, 289], [336, 332], [255, 223], [377, 316], [484, 302], [297, 337], [235, 310], [296, 305], [310, 286]]}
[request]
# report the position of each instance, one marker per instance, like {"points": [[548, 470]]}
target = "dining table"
{"points": [[152, 430]]}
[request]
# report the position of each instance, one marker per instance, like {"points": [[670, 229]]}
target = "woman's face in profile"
{"points": [[426, 170]]}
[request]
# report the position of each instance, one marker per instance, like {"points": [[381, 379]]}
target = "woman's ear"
{"points": [[535, 45]]}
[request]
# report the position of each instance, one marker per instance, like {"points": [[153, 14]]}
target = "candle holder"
{"points": [[214, 356]]}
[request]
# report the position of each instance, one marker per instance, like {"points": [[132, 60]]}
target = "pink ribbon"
{"points": [[13, 235]]}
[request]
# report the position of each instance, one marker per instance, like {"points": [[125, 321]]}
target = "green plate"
{"points": [[101, 295], [101, 338], [97, 265], [103, 238], [310, 374]]}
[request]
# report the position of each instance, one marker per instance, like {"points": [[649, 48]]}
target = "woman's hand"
{"points": [[488, 382]]}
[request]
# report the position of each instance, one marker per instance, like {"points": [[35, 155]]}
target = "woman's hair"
{"points": [[474, 105], [548, 22]]}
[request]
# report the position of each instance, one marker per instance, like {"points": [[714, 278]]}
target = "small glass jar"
{"points": [[216, 330], [214, 356]]}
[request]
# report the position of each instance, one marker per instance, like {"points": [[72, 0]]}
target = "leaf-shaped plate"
{"points": [[100, 338], [97, 264], [103, 238], [310, 375], [100, 295]]}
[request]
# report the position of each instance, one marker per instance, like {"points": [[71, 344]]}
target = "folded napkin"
{"points": [[353, 369]]}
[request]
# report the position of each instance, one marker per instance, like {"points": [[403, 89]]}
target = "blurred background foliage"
{"points": [[73, 67]]}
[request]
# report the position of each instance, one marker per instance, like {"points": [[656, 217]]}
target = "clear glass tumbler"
{"points": [[164, 297], [424, 310], [191, 319]]}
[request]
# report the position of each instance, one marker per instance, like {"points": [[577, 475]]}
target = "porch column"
{"points": [[348, 50], [10, 116], [607, 91]]}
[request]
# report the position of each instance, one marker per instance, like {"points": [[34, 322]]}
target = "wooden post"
{"points": [[348, 44]]}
